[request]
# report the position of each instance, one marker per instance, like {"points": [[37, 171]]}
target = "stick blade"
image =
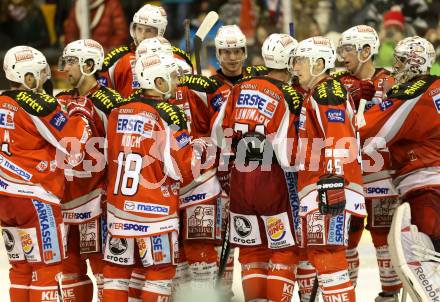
{"points": [[207, 24]]}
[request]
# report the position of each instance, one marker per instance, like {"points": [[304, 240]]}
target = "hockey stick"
{"points": [[404, 295], [224, 255], [201, 34], [292, 29], [186, 24]]}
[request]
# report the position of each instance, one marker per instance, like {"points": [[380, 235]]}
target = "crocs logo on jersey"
{"points": [[26, 242], [8, 239], [118, 246], [6, 119], [275, 228], [335, 115], [242, 226]]}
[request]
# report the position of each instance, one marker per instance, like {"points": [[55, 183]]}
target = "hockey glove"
{"points": [[331, 195], [80, 106], [362, 90]]}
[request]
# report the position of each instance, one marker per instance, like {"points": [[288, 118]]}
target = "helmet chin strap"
{"points": [[83, 74], [314, 76], [361, 62]]}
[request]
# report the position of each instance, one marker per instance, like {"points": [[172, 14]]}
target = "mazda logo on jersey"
{"points": [[118, 246], [8, 239], [242, 226]]}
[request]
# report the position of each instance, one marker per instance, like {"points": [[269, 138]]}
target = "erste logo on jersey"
{"points": [[6, 119], [135, 124], [253, 99]]}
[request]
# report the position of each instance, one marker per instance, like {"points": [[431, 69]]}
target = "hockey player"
{"points": [[231, 53], [357, 47], [32, 183], [407, 123], [84, 193], [149, 154], [329, 182], [118, 67], [201, 195], [261, 112]]}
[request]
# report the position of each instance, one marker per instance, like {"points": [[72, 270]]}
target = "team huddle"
{"points": [[156, 175]]}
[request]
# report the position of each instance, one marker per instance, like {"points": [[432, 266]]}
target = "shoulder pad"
{"points": [[293, 98], [256, 70], [339, 74], [170, 113], [411, 89], [68, 92], [182, 54], [113, 56], [246, 78], [330, 92], [38, 104], [199, 83], [106, 99]]}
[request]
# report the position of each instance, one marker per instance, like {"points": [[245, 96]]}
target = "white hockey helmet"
{"points": [[83, 50], [152, 46], [359, 36], [416, 54], [149, 68], [21, 60], [277, 50], [150, 15], [229, 37], [316, 48]]}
